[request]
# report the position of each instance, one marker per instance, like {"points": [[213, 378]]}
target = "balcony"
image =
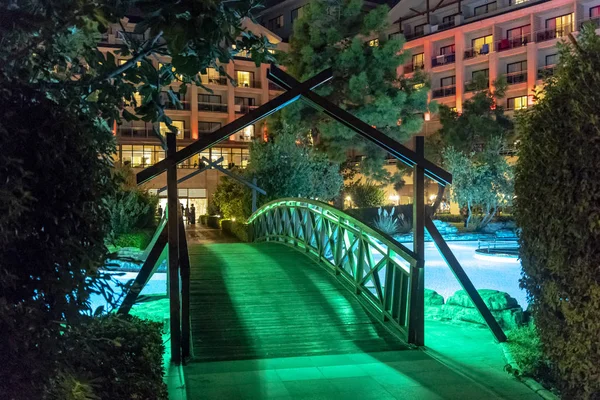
{"points": [[549, 34], [514, 78], [507, 44], [185, 106], [476, 52], [221, 80], [546, 71], [444, 91], [443, 60], [249, 84], [414, 35], [446, 25], [135, 132], [212, 107], [244, 109], [412, 68], [130, 36], [471, 86]]}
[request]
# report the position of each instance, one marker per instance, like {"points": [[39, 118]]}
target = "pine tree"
{"points": [[333, 33]]}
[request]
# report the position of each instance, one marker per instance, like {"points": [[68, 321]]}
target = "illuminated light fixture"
{"points": [[233, 219], [399, 122], [432, 197], [348, 198], [395, 198], [427, 116]]}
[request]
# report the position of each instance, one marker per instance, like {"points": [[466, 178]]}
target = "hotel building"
{"points": [[203, 113]]}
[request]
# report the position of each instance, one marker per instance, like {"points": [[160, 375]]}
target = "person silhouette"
{"points": [[193, 215]]}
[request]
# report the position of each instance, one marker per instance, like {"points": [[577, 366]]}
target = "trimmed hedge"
{"points": [[214, 222], [237, 229], [112, 357], [204, 219], [557, 190]]}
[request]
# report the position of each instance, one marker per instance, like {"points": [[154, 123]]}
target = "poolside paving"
{"points": [[330, 348]]}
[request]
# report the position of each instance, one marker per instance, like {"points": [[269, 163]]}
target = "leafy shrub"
{"points": [[131, 209], [139, 239], [112, 357], [387, 223], [450, 217], [55, 173], [525, 347], [214, 222], [204, 219], [366, 194], [237, 229], [557, 209], [232, 199]]}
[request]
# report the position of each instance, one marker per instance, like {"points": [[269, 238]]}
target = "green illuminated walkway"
{"points": [[268, 323]]}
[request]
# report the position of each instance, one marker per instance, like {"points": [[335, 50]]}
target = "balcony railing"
{"points": [[414, 35], [412, 68], [244, 109], [471, 86], [446, 25], [444, 91], [249, 84], [546, 71], [514, 78], [443, 60], [135, 131], [476, 52], [507, 44], [222, 80], [127, 36], [549, 34], [185, 105], [212, 107]]}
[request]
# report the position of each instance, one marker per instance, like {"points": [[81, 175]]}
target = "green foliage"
{"points": [[139, 239], [112, 357], [237, 229], [231, 199], [365, 80], [557, 209], [130, 210], [214, 221], [525, 347], [387, 223], [59, 99], [283, 167], [470, 145], [366, 194]]}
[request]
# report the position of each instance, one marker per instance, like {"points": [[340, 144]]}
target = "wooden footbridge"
{"points": [[314, 280]]}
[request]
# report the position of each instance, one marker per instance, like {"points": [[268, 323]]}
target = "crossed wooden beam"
{"points": [[296, 91], [216, 164]]}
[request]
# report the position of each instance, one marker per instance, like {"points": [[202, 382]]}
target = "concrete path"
{"points": [[201, 234]]}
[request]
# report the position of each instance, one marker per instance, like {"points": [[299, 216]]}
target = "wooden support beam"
{"points": [[148, 269], [184, 263], [173, 211], [223, 133], [399, 151], [416, 330], [464, 281]]}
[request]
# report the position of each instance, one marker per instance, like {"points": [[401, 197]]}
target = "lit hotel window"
{"points": [[177, 124], [374, 42], [516, 103]]}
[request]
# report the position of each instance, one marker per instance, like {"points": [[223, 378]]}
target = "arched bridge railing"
{"points": [[371, 264]]}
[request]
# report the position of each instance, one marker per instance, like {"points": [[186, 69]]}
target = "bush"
{"points": [[450, 217], [557, 209], [213, 221], [112, 357], [204, 219], [138, 239], [525, 347], [237, 229], [365, 194]]}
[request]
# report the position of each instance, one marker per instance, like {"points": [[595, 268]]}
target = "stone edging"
{"points": [[530, 382]]}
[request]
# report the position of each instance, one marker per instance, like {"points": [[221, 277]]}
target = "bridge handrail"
{"points": [[369, 262]]}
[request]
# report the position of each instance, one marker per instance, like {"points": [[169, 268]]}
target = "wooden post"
{"points": [[254, 195], [184, 262], [416, 334], [173, 211]]}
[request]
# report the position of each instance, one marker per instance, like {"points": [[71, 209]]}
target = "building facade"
{"points": [[203, 112]]}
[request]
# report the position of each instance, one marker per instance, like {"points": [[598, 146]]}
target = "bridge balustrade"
{"points": [[371, 264]]}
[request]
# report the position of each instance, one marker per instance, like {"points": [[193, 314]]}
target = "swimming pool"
{"points": [[485, 272]]}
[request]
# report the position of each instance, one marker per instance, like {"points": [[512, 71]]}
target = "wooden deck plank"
{"points": [[267, 300]]}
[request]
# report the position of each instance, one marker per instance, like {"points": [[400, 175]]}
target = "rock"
{"points": [[433, 298], [505, 233], [503, 307], [494, 299]]}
